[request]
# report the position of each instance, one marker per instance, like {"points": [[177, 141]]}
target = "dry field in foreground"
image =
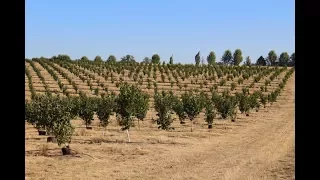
{"points": [[260, 146]]}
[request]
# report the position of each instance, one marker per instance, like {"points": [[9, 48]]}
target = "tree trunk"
{"points": [[138, 124], [128, 135], [191, 126]]}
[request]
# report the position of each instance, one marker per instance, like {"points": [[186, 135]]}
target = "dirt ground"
{"points": [[260, 146]]}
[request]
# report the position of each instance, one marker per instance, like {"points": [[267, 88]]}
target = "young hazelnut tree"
{"points": [[105, 108], [210, 113], [142, 107], [226, 105], [163, 105], [178, 109], [244, 104], [87, 108], [192, 105], [127, 102]]}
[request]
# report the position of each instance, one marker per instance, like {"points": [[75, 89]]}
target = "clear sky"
{"points": [[144, 27]]}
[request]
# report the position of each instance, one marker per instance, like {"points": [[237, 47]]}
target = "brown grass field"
{"points": [[259, 146]]}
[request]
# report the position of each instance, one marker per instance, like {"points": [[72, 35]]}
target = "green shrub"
{"points": [[263, 100], [210, 113], [240, 81], [233, 86], [222, 82], [163, 105], [192, 105], [226, 106], [244, 104], [105, 108]]}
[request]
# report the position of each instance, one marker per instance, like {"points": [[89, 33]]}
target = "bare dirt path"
{"points": [[260, 146]]}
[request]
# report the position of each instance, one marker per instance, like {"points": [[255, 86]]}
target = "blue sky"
{"points": [[144, 27]]}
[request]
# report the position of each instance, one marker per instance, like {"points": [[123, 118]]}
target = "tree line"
{"points": [[228, 58]]}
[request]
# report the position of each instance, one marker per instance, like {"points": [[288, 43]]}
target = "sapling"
{"points": [[210, 114], [142, 106], [192, 105], [225, 93], [178, 109], [267, 82], [230, 77], [244, 104], [105, 108], [253, 102], [245, 90], [263, 100], [96, 91], [126, 107], [222, 82], [240, 81], [86, 109], [233, 86], [163, 105], [226, 106]]}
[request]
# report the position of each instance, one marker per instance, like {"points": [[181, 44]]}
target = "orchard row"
{"points": [[86, 77]]}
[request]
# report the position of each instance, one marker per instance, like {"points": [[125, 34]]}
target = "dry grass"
{"points": [[260, 146]]}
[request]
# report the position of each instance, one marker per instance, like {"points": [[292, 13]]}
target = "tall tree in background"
{"points": [[63, 57], [211, 59], [112, 59], [197, 58], [84, 58], [248, 61], [53, 58], [171, 60], [43, 58], [146, 60], [128, 58], [292, 58], [261, 61], [155, 59], [272, 58], [284, 59], [227, 57], [98, 59], [237, 57]]}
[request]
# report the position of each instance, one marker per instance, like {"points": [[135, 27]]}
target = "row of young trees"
{"points": [[175, 71], [54, 113], [89, 72], [105, 69]]}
